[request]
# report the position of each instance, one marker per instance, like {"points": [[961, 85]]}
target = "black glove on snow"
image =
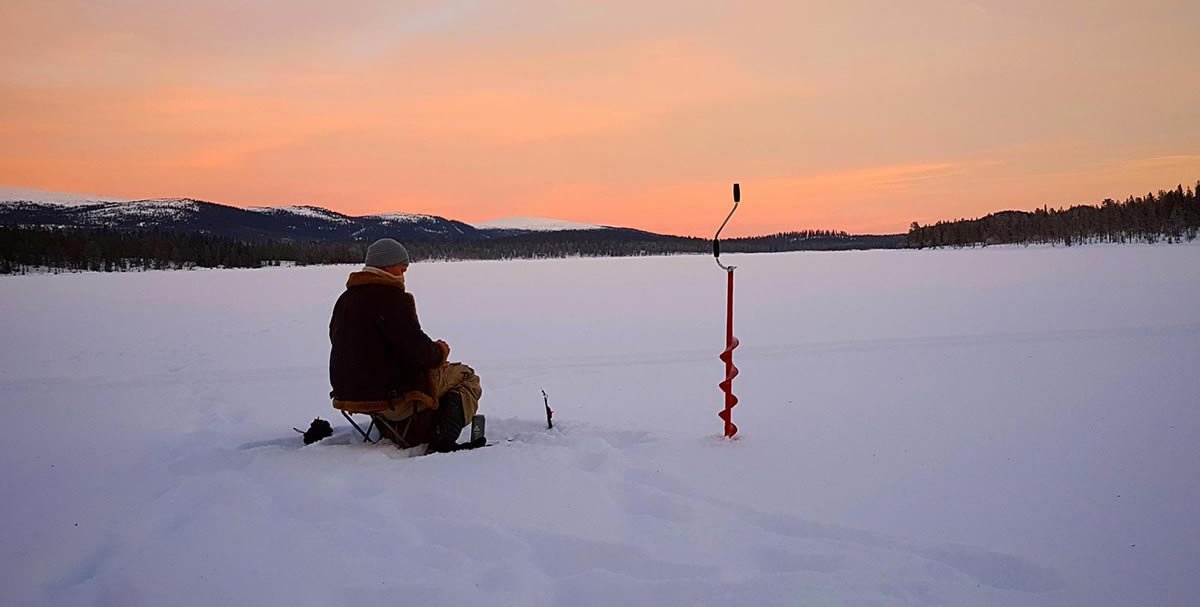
{"points": [[318, 430]]}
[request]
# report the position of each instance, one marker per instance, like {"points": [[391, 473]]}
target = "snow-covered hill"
{"points": [[534, 224], [304, 222], [305, 211], [141, 212], [13, 194], [991, 427], [301, 222], [401, 217]]}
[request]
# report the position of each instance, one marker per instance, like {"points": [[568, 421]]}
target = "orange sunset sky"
{"points": [[861, 116]]}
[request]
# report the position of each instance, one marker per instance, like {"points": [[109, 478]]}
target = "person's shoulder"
{"points": [[380, 292], [406, 297]]}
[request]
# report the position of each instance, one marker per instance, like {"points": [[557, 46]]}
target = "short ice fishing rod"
{"points": [[731, 342]]}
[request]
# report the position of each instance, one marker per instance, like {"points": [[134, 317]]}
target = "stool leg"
{"points": [[366, 435]]}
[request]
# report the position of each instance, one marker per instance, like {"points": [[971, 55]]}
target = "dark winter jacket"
{"points": [[379, 350]]}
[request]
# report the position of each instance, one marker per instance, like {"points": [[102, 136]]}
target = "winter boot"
{"points": [[447, 424]]}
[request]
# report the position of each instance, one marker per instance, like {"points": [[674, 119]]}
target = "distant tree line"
{"points": [[24, 248], [556, 244], [42, 248], [632, 243], [810, 240], [1170, 215]]}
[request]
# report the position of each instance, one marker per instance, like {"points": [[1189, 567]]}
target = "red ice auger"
{"points": [[731, 342]]}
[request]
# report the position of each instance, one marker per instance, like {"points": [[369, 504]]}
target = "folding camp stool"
{"points": [[414, 401]]}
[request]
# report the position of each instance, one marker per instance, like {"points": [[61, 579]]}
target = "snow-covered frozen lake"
{"points": [[1003, 426]]}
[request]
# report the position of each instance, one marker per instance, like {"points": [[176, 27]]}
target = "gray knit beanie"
{"points": [[386, 252]]}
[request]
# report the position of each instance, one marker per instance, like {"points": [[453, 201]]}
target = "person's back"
{"points": [[378, 348], [379, 353]]}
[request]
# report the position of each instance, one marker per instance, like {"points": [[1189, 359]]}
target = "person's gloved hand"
{"points": [[445, 351]]}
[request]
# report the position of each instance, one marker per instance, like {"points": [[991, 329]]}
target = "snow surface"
{"points": [[1002, 426], [533, 224]]}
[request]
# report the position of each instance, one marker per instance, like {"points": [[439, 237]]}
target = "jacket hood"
{"points": [[374, 276]]}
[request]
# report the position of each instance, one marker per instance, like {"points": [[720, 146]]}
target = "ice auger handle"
{"points": [[737, 197]]}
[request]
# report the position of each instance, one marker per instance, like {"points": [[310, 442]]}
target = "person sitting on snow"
{"points": [[379, 353]]}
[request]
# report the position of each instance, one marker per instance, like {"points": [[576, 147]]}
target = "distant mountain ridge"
{"points": [[312, 234], [301, 222]]}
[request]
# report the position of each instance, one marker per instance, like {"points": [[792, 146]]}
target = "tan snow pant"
{"points": [[454, 377]]}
